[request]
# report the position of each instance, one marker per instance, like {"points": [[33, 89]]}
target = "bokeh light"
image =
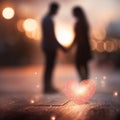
{"points": [[99, 35], [93, 45], [108, 46], [115, 93], [36, 73], [104, 77], [30, 25], [31, 28], [32, 101], [111, 45], [100, 46], [8, 13], [53, 118]]}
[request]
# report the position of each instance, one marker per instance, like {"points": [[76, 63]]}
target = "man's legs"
{"points": [[48, 74]]}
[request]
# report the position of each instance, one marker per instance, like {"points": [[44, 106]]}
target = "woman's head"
{"points": [[78, 12]]}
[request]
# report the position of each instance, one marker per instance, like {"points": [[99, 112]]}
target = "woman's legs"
{"points": [[82, 70]]}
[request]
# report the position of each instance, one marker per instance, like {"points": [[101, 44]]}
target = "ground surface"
{"points": [[21, 95]]}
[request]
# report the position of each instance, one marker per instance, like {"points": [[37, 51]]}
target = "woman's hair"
{"points": [[79, 13]]}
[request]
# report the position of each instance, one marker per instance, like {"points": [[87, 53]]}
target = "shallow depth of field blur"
{"points": [[20, 30], [22, 60]]}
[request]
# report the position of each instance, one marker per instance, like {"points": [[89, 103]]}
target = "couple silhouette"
{"points": [[50, 45]]}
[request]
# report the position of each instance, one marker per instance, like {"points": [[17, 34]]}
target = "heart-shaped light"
{"points": [[80, 92]]}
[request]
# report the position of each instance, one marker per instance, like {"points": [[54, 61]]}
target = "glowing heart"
{"points": [[80, 92]]}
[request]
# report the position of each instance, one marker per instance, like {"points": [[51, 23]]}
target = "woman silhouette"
{"points": [[83, 53]]}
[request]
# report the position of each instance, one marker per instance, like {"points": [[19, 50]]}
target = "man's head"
{"points": [[53, 8]]}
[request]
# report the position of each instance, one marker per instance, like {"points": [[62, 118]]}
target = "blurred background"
{"points": [[20, 30], [22, 59]]}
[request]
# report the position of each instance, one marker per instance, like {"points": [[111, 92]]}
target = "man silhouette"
{"points": [[50, 46]]}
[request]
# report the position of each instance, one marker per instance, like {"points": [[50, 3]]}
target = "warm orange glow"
{"points": [[100, 46], [93, 45], [64, 36], [53, 118], [37, 86], [8, 13], [111, 45], [36, 73], [116, 94], [32, 101], [20, 25], [108, 46], [30, 25], [31, 29], [80, 92], [33, 35], [99, 34]]}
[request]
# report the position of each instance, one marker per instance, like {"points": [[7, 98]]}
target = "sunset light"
{"points": [[64, 36]]}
